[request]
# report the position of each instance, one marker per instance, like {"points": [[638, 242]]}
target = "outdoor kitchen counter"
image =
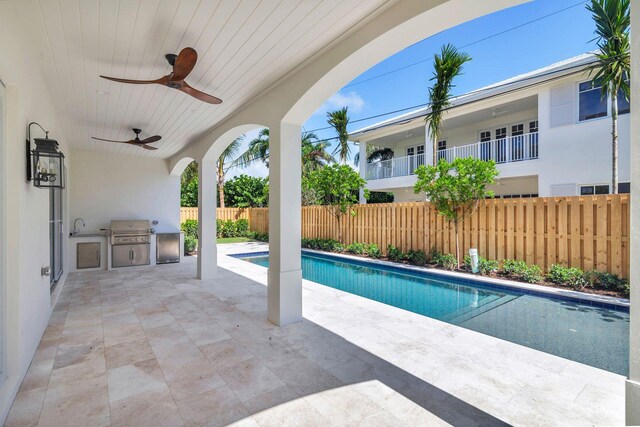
{"points": [[79, 241]]}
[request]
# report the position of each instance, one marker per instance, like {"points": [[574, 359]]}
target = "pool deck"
{"points": [[153, 346], [516, 384]]}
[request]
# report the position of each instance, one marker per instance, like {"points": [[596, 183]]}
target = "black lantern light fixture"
{"points": [[45, 164]]}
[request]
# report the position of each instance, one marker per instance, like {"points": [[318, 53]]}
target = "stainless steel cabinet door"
{"points": [[140, 255], [88, 255], [121, 256]]}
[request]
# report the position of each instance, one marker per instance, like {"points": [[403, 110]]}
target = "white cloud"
{"points": [[352, 100]]}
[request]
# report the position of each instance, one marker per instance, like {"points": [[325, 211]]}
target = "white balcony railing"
{"points": [[506, 150]]}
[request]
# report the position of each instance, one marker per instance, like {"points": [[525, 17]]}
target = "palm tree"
{"points": [[374, 154], [314, 153], [189, 173], [612, 21], [258, 149], [446, 66], [339, 120], [226, 161]]}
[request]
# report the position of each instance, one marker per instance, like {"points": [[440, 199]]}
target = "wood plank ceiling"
{"points": [[243, 47]]}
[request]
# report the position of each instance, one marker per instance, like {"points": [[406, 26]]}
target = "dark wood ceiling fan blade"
{"points": [[185, 62], [151, 139], [146, 147], [111, 140], [161, 80], [199, 95]]}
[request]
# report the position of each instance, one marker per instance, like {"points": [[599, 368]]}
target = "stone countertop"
{"points": [[88, 234]]}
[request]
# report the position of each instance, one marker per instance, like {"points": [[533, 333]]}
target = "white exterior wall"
{"points": [[26, 302], [571, 153], [111, 186]]}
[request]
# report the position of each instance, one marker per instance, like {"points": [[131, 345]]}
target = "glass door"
{"points": [[3, 229], [56, 210]]}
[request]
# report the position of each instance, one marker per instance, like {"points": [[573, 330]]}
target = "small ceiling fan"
{"points": [[137, 141], [182, 65]]}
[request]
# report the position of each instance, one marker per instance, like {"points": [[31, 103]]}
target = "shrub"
{"points": [[520, 270], [446, 261], [356, 248], [433, 255], [532, 274], [514, 268], [242, 227], [570, 276], [329, 245], [190, 243], [373, 251], [417, 257], [394, 254], [487, 266], [259, 236], [190, 228]]}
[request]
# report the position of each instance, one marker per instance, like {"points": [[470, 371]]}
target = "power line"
{"points": [[413, 64]]}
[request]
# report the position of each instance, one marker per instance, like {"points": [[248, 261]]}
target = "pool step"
{"points": [[467, 313]]}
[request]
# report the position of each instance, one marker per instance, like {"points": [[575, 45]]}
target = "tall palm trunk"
{"points": [[221, 184], [435, 150], [614, 142]]}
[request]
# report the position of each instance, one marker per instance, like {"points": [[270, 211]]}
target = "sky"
{"points": [[502, 45]]}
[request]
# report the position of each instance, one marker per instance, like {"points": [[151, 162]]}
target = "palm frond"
{"points": [[339, 120]]}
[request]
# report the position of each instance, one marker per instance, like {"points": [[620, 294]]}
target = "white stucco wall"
{"points": [[27, 303], [112, 186]]}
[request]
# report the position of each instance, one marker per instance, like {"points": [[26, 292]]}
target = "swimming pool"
{"points": [[593, 333]]}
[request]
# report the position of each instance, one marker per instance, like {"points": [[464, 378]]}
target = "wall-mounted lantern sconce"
{"points": [[45, 164]]}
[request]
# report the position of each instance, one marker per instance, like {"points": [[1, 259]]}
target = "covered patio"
{"points": [[156, 347], [206, 341]]}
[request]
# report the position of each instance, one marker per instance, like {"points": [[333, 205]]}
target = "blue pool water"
{"points": [[591, 333]]}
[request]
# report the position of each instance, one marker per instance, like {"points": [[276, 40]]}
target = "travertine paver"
{"points": [[154, 346]]}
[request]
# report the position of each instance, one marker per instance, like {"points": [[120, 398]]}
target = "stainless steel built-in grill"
{"points": [[130, 240]]}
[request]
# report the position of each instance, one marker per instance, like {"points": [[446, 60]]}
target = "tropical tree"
{"points": [[228, 159], [314, 152], [446, 66], [612, 19], [374, 154], [258, 149], [245, 191], [339, 120], [336, 187], [455, 188]]}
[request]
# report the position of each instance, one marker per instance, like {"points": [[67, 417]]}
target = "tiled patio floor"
{"points": [[155, 347]]}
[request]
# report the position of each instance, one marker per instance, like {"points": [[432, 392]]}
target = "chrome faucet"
{"points": [[75, 223]]}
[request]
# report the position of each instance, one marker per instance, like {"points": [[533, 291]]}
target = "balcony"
{"points": [[505, 150]]}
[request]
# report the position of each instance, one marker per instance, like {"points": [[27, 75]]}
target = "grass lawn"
{"points": [[233, 240]]}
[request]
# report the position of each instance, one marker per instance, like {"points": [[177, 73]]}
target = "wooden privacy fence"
{"points": [[588, 232]]}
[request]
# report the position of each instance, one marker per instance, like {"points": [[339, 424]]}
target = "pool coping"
{"points": [[489, 282]]}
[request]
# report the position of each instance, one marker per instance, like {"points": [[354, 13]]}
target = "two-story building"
{"points": [[549, 131]]}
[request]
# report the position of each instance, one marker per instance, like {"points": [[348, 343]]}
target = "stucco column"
{"points": [[362, 164], [207, 250], [284, 293], [632, 403]]}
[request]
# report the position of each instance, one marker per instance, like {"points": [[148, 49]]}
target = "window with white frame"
{"points": [[501, 133], [442, 145], [591, 103], [533, 126], [411, 151], [485, 136], [420, 149]]}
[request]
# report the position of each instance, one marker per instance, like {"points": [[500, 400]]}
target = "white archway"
{"points": [[179, 167], [287, 104]]}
